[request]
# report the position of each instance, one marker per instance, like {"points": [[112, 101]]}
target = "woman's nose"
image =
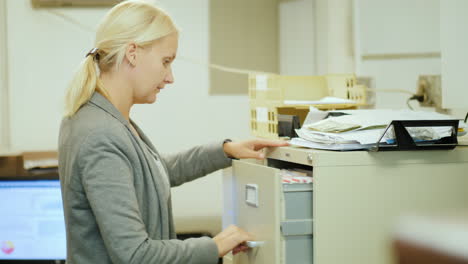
{"points": [[169, 77]]}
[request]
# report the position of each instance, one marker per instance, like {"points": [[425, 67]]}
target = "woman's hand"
{"points": [[232, 238], [250, 149]]}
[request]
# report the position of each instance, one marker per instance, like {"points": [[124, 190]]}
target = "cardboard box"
{"points": [[11, 165]]}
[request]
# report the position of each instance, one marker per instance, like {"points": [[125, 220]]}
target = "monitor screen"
{"points": [[32, 226]]}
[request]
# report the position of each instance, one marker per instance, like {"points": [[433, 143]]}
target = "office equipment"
{"points": [[272, 95], [287, 124], [32, 224], [348, 213], [404, 141]]}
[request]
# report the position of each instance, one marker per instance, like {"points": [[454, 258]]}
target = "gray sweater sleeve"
{"points": [[107, 177], [196, 162]]}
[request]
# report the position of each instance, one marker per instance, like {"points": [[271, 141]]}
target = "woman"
{"points": [[115, 185]]}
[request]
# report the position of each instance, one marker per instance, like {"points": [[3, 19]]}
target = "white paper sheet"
{"points": [[309, 144], [325, 100]]}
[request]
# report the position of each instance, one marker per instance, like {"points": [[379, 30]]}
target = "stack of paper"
{"points": [[296, 176], [362, 129], [324, 101], [332, 126]]}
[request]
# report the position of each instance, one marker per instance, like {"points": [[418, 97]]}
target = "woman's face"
{"points": [[153, 69]]}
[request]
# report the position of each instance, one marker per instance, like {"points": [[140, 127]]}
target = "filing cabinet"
{"points": [[347, 214]]}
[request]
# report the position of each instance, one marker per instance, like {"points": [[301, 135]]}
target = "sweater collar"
{"points": [[102, 102]]}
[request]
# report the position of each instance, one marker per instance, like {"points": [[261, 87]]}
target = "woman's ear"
{"points": [[131, 54]]}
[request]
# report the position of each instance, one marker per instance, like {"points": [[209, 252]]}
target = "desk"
{"points": [[37, 163], [357, 198]]}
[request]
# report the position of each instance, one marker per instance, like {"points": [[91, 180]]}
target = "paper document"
{"points": [[42, 163], [360, 129], [339, 147], [350, 137], [325, 100], [331, 126], [383, 117]]}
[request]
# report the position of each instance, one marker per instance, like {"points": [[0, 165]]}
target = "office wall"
{"points": [[395, 42], [296, 37], [454, 44], [243, 35], [399, 26], [45, 50], [316, 37], [4, 124], [334, 35]]}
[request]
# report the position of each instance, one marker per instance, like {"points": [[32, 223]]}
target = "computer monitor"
{"points": [[32, 226]]}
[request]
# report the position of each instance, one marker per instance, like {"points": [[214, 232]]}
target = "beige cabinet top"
{"points": [[324, 158]]}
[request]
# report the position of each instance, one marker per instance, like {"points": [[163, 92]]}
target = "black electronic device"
{"points": [[32, 227]]}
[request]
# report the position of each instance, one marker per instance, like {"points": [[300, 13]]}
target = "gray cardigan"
{"points": [[115, 210]]}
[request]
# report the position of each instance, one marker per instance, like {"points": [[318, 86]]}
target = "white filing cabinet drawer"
{"points": [[280, 215]]}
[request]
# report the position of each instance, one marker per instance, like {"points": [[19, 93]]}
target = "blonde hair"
{"points": [[128, 22]]}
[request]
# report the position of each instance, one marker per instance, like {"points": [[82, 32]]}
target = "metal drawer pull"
{"points": [[253, 244]]}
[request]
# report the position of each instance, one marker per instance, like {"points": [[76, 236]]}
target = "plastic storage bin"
{"points": [[273, 95]]}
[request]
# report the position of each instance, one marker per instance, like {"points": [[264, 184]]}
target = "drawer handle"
{"points": [[253, 244]]}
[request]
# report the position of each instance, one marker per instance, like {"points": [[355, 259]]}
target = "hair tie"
{"points": [[93, 52]]}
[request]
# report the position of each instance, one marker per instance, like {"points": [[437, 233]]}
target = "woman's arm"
{"points": [[202, 160], [196, 162]]}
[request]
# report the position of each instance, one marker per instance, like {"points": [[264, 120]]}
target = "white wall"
{"points": [[296, 37], [454, 46], [334, 37], [398, 26], [45, 50], [395, 42], [316, 37], [4, 124]]}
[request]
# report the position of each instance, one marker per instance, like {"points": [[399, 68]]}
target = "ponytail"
{"points": [[83, 85]]}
